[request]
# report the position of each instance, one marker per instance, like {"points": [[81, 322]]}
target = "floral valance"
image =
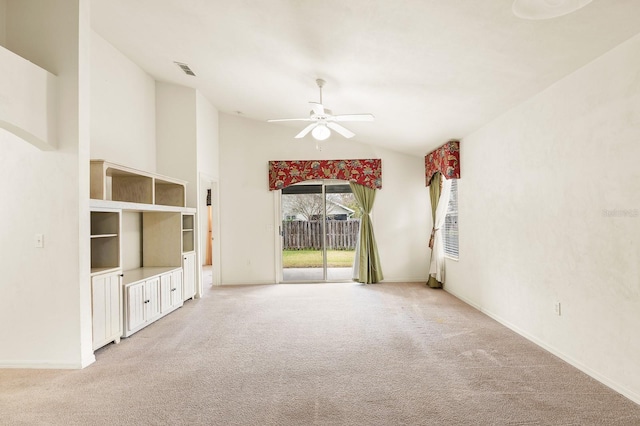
{"points": [[364, 172], [445, 160]]}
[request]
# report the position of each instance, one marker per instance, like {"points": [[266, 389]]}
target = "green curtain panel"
{"points": [[434, 193], [369, 269]]}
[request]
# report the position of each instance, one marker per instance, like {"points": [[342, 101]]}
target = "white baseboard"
{"points": [[241, 283], [45, 365], [392, 280], [633, 396]]}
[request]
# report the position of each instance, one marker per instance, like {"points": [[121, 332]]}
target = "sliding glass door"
{"points": [[320, 225]]}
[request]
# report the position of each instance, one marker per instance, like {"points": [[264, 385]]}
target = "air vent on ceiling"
{"points": [[185, 68]]}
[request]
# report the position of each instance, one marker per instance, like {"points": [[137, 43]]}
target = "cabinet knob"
{"points": [[146, 301]]}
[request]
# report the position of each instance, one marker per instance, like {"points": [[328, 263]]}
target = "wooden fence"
{"points": [[303, 234]]}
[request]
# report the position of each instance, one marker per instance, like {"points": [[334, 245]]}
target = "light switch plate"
{"points": [[39, 240]]}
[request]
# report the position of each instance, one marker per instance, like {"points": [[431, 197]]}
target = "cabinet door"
{"points": [[114, 307], [166, 292], [152, 298], [189, 275], [176, 288], [99, 309], [135, 305], [106, 308]]}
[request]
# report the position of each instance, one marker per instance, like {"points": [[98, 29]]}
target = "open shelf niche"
{"points": [[188, 236], [113, 182], [105, 241]]}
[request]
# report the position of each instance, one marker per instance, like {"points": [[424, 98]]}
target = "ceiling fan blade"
{"points": [[306, 130], [273, 120], [318, 108], [342, 130], [354, 117]]}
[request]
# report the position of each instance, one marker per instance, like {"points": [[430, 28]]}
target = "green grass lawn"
{"points": [[313, 258]]}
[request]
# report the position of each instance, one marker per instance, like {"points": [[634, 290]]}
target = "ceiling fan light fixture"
{"points": [[546, 9], [323, 121], [321, 132]]}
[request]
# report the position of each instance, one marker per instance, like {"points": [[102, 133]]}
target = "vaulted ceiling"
{"points": [[429, 70]]}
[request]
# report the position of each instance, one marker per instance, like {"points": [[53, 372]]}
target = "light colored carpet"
{"points": [[317, 354]]}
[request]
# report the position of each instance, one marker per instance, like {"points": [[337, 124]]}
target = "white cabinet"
{"points": [[148, 296], [135, 312], [106, 306], [170, 291], [106, 295], [189, 275], [141, 304]]}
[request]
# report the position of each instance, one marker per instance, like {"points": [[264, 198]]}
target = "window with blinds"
{"points": [[450, 234]]}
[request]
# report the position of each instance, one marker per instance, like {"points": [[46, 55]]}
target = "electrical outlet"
{"points": [[558, 308], [39, 240]]}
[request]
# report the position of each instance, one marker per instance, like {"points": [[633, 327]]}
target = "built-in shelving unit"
{"points": [[166, 275]]}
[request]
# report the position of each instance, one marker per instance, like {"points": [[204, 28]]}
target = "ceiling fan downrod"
{"points": [[320, 82]]}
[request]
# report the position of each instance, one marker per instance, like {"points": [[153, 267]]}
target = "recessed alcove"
{"points": [[28, 101]]}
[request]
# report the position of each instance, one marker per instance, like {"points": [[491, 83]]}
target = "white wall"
{"points": [[208, 147], [123, 116], [176, 135], [549, 211], [187, 147], [45, 302], [207, 137], [247, 206]]}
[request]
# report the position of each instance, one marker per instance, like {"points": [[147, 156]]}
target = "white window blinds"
{"points": [[450, 233]]}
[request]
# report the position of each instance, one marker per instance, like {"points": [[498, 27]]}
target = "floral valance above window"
{"points": [[445, 160], [364, 172]]}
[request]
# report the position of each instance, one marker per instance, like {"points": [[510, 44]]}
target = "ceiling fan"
{"points": [[323, 121]]}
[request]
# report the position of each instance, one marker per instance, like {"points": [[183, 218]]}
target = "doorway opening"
{"points": [[319, 230], [208, 232]]}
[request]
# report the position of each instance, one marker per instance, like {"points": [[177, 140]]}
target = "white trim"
{"points": [[277, 238], [211, 183], [137, 207], [243, 283], [216, 256], [47, 365], [412, 280], [278, 241]]}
